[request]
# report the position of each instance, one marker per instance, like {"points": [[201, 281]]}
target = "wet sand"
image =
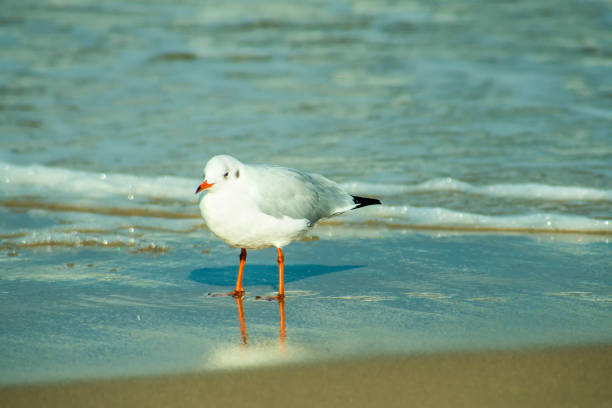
{"points": [[562, 377]]}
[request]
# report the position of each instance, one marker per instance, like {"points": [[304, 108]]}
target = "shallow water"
{"points": [[87, 312], [483, 127]]}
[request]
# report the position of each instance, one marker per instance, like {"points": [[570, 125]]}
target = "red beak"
{"points": [[204, 186]]}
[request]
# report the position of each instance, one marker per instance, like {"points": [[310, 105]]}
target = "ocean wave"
{"points": [[94, 185], [529, 191], [443, 218], [385, 217], [22, 180], [178, 188]]}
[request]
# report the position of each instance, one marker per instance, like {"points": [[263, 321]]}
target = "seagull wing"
{"points": [[281, 191]]}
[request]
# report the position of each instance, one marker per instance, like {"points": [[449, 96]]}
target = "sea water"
{"points": [[484, 127]]}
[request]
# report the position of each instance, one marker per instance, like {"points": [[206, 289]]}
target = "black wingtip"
{"points": [[364, 201]]}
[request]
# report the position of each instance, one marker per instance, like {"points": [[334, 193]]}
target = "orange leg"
{"points": [[281, 274], [281, 278], [239, 289]]}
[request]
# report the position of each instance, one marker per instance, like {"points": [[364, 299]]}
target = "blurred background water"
{"points": [[460, 115]]}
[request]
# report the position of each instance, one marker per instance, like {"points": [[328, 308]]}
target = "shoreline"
{"points": [[560, 376]]}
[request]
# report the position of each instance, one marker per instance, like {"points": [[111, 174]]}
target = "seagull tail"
{"points": [[364, 201]]}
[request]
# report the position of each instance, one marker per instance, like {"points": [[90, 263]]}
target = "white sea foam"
{"points": [[442, 217], [86, 185], [97, 184], [530, 191], [265, 354]]}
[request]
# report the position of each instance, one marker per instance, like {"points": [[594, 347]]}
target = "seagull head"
{"points": [[220, 170]]}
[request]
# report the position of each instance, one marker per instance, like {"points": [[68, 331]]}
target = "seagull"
{"points": [[259, 206]]}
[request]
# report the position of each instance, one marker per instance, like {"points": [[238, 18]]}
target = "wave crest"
{"points": [[529, 191]]}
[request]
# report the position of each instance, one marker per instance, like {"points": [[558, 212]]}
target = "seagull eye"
{"points": [[226, 175]]}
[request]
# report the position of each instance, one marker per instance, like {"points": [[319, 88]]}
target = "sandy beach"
{"points": [[561, 377]]}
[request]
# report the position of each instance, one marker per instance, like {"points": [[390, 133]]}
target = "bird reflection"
{"points": [[243, 332], [282, 327]]}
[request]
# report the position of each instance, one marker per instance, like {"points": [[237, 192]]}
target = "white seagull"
{"points": [[259, 206]]}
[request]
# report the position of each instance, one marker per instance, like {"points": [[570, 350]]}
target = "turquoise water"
{"points": [[484, 127]]}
